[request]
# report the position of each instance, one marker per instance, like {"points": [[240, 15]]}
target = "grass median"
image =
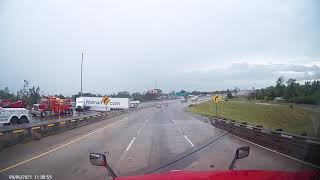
{"points": [[272, 116]]}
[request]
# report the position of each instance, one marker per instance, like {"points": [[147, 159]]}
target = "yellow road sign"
{"points": [[216, 98], [105, 100]]}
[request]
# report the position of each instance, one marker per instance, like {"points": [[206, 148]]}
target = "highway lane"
{"points": [[136, 143]]}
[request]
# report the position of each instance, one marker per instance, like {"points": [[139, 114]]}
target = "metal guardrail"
{"points": [[301, 147], [12, 135]]}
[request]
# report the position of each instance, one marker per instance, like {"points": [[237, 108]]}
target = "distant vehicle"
{"points": [[279, 99], [194, 98], [73, 105], [183, 101], [134, 104], [52, 106], [158, 105], [95, 104], [13, 112], [165, 104]]}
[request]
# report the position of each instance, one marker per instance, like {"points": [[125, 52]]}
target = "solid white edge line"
{"points": [[130, 144], [188, 140], [265, 147], [278, 152]]}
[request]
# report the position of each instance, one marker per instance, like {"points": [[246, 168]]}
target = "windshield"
{"points": [[158, 86]]}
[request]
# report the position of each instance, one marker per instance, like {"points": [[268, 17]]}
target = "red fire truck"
{"points": [[52, 106]]}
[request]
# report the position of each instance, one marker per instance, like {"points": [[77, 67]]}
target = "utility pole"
{"points": [[81, 81], [155, 84], [81, 72]]}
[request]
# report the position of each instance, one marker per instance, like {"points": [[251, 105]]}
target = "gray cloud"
{"points": [[246, 75], [182, 44]]}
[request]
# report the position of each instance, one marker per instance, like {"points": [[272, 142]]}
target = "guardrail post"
{"points": [[48, 129], [35, 132], [4, 139], [61, 126]]}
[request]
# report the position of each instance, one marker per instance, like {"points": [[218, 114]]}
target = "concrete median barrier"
{"points": [[300, 147]]}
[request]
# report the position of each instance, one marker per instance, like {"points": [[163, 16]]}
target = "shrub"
{"points": [[314, 99]]}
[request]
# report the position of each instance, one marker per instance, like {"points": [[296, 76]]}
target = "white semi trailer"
{"points": [[95, 104]]}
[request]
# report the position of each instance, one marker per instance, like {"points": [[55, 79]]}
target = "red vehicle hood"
{"points": [[227, 175]]}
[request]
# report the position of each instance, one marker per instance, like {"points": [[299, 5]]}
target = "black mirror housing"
{"points": [[242, 152], [98, 159]]}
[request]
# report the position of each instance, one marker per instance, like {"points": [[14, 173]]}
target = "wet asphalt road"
{"points": [[137, 143]]}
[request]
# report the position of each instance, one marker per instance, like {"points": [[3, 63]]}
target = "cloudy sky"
{"points": [[130, 44]]}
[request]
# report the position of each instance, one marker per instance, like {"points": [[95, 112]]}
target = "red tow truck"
{"points": [[52, 106]]}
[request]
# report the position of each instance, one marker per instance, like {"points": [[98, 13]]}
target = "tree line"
{"points": [[137, 96], [30, 94], [291, 91]]}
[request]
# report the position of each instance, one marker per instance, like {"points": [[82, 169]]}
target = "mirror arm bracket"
{"points": [[233, 163], [110, 171]]}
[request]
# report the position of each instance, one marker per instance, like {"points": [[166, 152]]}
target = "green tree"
{"points": [[292, 88], [280, 87], [123, 94], [34, 95], [252, 94], [29, 95], [24, 92], [307, 93], [229, 94], [137, 96], [60, 96], [6, 94], [235, 90]]}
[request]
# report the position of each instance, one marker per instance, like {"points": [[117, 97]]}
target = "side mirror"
{"points": [[241, 152], [98, 159]]}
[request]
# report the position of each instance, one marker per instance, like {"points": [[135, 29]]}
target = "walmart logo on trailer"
{"points": [[92, 102]]}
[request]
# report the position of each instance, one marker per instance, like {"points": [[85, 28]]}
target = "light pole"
{"points": [[81, 73], [81, 82]]}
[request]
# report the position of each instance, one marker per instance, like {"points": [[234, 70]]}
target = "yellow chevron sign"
{"points": [[216, 98], [105, 100]]}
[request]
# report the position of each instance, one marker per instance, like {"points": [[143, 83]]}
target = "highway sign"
{"points": [[216, 98], [105, 100]]}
